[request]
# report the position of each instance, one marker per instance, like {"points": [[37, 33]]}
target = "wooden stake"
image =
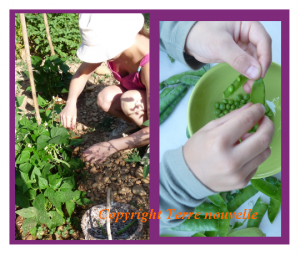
{"points": [[28, 60], [48, 33], [109, 237]]}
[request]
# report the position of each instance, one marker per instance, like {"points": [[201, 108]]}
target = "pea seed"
{"points": [[236, 103], [230, 88], [243, 101], [225, 112], [221, 115], [230, 101], [227, 107], [222, 106], [225, 101], [217, 105], [218, 111], [238, 97], [246, 97], [232, 107]]}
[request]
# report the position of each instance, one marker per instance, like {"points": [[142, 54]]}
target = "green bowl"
{"points": [[209, 90]]}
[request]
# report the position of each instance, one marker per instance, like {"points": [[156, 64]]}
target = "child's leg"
{"points": [[134, 106], [109, 100]]}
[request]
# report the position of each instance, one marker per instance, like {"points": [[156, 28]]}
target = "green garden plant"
{"points": [[44, 169], [51, 77]]}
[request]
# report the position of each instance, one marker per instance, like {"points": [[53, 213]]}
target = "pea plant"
{"points": [[64, 31], [44, 169], [51, 77]]}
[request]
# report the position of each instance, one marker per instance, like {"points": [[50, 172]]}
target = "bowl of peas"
{"points": [[207, 103]]}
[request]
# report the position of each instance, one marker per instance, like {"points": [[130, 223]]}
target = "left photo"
{"points": [[82, 126]]}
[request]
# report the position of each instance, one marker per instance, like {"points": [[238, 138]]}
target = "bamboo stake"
{"points": [[108, 212], [48, 33], [28, 60]]}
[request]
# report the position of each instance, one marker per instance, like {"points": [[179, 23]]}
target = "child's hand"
{"points": [[99, 152], [68, 116], [217, 158], [245, 45]]}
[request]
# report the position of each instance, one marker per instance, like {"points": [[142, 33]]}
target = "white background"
{"points": [[155, 4]]}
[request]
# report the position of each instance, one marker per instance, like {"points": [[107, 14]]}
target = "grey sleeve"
{"points": [[172, 37], [179, 189]]}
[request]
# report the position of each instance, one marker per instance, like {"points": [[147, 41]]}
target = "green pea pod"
{"points": [[126, 227], [258, 92], [211, 233], [205, 208], [199, 234], [165, 114], [216, 199], [170, 97], [241, 198], [165, 92], [189, 80], [223, 223], [176, 78], [273, 209], [260, 208], [187, 133], [267, 188], [198, 225], [237, 83], [247, 232], [161, 86]]}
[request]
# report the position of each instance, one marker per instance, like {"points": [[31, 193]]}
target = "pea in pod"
{"points": [[241, 198], [165, 114], [165, 92], [267, 188], [258, 92], [247, 232], [238, 82], [193, 224], [260, 208], [216, 199], [176, 78], [274, 205], [223, 223], [211, 233], [162, 85], [199, 234], [170, 97], [189, 80]]}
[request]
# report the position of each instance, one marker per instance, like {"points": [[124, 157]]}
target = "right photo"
{"points": [[220, 128]]}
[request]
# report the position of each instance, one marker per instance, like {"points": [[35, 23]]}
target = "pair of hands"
{"points": [[214, 154]]}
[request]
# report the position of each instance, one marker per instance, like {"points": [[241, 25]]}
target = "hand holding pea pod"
{"points": [[217, 158], [245, 45]]}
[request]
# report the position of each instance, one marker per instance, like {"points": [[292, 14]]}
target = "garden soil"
{"points": [[93, 126]]}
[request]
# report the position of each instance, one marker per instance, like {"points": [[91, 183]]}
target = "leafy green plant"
{"points": [[64, 31], [44, 170], [51, 77]]}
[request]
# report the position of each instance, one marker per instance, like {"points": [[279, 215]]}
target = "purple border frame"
{"points": [[155, 17]]}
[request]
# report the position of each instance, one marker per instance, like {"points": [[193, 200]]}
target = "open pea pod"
{"points": [[260, 209], [267, 188], [247, 232], [237, 83], [258, 92]]}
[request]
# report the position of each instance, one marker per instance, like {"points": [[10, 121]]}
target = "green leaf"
{"points": [[31, 194], [36, 61], [58, 139], [33, 231], [57, 219], [25, 168], [26, 186], [43, 183], [64, 196], [43, 217], [145, 171], [24, 121], [24, 157], [75, 142], [46, 170], [49, 192], [41, 101], [27, 212], [35, 172], [27, 225], [39, 202], [54, 181], [19, 101], [22, 201], [42, 141], [83, 201], [146, 123], [70, 205], [58, 131]]}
